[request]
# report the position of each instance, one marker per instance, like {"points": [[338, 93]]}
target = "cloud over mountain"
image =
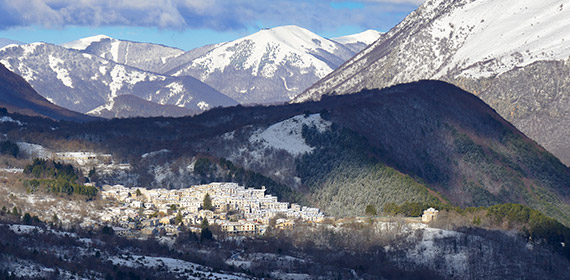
{"points": [[216, 14]]}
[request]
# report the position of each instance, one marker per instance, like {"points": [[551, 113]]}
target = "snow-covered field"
{"points": [[287, 135], [28, 270], [184, 269]]}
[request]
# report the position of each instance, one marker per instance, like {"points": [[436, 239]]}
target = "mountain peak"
{"points": [[367, 37], [271, 65], [83, 43], [293, 36]]}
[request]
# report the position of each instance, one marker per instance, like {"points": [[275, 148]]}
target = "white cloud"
{"points": [[212, 14], [416, 2]]}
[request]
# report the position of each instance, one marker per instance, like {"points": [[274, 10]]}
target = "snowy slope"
{"points": [[277, 45], [458, 38], [287, 135], [271, 65], [82, 82], [515, 34], [145, 56], [357, 42], [186, 58], [488, 47]]}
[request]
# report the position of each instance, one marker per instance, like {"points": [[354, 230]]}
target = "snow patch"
{"points": [[107, 106], [35, 150], [427, 251], [103, 70], [203, 105], [26, 72], [6, 63], [287, 135], [5, 119], [188, 269], [23, 229], [30, 48], [155, 153], [115, 50], [175, 88], [12, 170], [50, 99], [121, 77], [56, 64]]}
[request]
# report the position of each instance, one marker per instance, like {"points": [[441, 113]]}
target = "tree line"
{"points": [[58, 178]]}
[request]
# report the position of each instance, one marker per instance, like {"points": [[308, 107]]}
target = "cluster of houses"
{"points": [[234, 208]]}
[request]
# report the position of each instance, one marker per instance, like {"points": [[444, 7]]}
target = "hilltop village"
{"points": [[233, 208]]}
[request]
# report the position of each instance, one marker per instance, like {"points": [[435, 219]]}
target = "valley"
{"points": [[324, 155]]}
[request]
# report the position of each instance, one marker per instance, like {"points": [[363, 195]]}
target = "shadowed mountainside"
{"points": [[18, 96]]}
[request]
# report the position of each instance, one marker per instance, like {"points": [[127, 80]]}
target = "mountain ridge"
{"points": [[145, 56], [82, 81], [272, 65], [439, 41]]}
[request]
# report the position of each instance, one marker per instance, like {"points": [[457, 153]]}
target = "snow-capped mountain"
{"points": [[128, 106], [357, 42], [145, 56], [514, 54], [272, 65], [83, 82]]}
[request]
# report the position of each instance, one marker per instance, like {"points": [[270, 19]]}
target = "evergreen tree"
{"points": [[206, 233], [27, 219], [207, 203], [9, 148], [370, 210], [178, 219], [205, 223]]}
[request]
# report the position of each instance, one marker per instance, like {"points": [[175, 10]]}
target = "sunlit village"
{"points": [[235, 209]]}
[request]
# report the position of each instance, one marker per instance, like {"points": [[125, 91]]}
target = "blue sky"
{"points": [[187, 24]]}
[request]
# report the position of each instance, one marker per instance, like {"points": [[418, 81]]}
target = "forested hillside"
{"points": [[426, 142]]}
